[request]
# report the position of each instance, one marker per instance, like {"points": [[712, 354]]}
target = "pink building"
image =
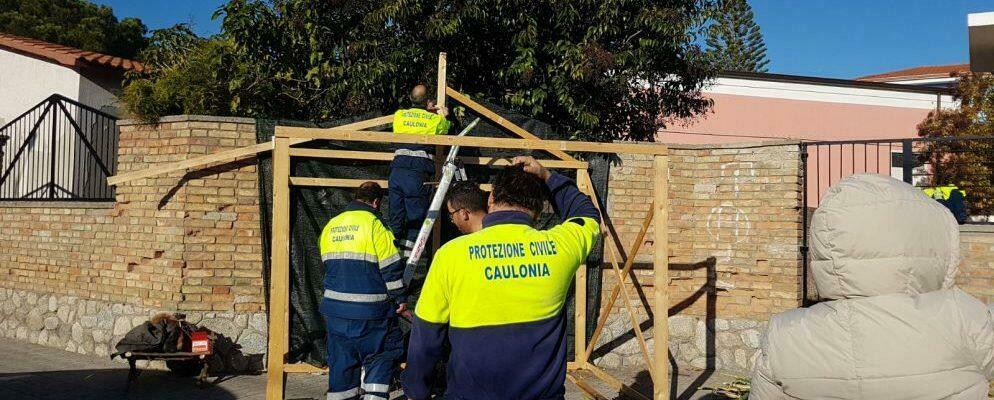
{"points": [[750, 107]]}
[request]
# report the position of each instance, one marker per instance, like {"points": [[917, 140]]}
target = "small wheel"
{"points": [[185, 367]]}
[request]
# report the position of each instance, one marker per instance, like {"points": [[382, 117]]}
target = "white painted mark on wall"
{"points": [[729, 223]]}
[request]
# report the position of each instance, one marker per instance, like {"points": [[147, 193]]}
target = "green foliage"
{"points": [[968, 164], [597, 70], [76, 23], [734, 38], [186, 74]]}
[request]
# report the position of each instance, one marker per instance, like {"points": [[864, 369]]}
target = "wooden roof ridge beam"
{"points": [[385, 156], [229, 155], [497, 119], [470, 141]]}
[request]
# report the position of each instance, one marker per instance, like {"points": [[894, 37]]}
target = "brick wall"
{"points": [[976, 272], [735, 231], [731, 209], [187, 242]]}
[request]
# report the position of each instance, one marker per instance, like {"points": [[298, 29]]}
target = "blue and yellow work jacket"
{"points": [[417, 121], [363, 272], [953, 198], [498, 295]]}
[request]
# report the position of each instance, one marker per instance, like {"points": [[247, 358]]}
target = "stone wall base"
{"points": [[730, 345], [94, 327]]}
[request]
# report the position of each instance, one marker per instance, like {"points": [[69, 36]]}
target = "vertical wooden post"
{"points": [[279, 277], [580, 299], [440, 89], [436, 234], [661, 281]]}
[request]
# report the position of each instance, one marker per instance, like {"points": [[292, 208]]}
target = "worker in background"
{"points": [[498, 294], [467, 205], [363, 293], [953, 198], [412, 166]]}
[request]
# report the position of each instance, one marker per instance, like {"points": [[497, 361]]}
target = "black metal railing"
{"points": [[58, 150], [965, 161]]}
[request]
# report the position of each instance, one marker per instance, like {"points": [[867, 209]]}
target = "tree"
{"points": [[185, 74], [75, 23], [967, 163], [734, 38], [597, 70]]}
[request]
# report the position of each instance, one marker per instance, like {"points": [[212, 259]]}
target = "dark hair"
{"points": [[419, 100], [368, 191], [517, 188], [467, 195]]}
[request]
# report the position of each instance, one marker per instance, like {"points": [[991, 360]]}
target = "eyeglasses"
{"points": [[452, 214]]}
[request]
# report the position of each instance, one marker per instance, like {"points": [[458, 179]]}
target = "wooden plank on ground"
{"points": [[304, 369], [614, 383], [588, 390]]}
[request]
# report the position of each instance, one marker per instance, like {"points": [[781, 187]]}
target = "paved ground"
{"points": [[32, 372]]}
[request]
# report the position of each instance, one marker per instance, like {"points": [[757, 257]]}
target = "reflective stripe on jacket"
{"points": [[498, 295], [363, 271], [416, 121]]}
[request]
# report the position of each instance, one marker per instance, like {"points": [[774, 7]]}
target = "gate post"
{"points": [[907, 167]]}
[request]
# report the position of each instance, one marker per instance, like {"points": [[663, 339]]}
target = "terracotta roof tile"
{"points": [[923, 72], [65, 55]]}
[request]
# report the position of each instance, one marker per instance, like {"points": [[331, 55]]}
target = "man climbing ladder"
{"points": [[413, 165]]}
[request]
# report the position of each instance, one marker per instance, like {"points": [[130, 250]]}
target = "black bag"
{"points": [[160, 337]]}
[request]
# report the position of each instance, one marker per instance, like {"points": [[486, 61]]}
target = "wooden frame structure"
{"points": [[279, 277], [283, 151]]}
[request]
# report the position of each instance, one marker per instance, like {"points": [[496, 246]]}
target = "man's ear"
{"points": [[490, 201], [376, 204]]}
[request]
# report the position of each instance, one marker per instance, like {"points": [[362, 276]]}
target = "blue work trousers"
{"points": [[354, 345]]}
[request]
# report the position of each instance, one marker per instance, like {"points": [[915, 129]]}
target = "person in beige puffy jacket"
{"points": [[892, 324]]}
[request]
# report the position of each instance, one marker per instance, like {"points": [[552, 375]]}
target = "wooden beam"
{"points": [[333, 182], [347, 183], [279, 292], [229, 155], [221, 156], [590, 392], [497, 119], [625, 272], [341, 154], [580, 284], [470, 141], [385, 156], [632, 315], [304, 369], [661, 278], [440, 87], [614, 383], [436, 230]]}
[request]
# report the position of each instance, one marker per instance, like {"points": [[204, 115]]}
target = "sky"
{"points": [[823, 38]]}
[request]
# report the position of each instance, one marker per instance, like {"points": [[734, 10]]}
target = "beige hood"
{"points": [[875, 235]]}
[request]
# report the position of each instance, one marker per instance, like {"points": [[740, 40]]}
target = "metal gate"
{"points": [[966, 161], [58, 150]]}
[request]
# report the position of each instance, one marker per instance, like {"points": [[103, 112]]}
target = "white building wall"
{"points": [[26, 81], [101, 92]]}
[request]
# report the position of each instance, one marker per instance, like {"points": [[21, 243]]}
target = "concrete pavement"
{"points": [[32, 372]]}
